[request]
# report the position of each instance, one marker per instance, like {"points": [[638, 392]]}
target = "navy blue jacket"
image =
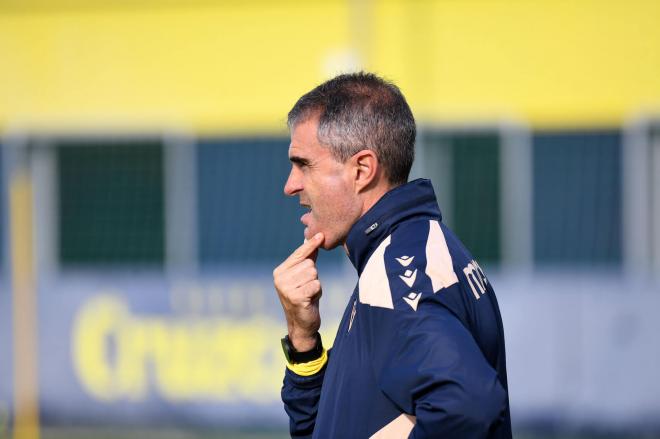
{"points": [[420, 349]]}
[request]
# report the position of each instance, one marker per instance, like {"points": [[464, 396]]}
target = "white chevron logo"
{"points": [[405, 260], [409, 277], [413, 299]]}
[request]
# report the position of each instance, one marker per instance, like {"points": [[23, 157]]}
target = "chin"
{"points": [[331, 242], [330, 245]]}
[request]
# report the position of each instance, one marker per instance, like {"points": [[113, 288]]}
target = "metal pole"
{"points": [[25, 332]]}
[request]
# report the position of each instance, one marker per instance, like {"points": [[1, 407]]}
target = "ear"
{"points": [[366, 169]]}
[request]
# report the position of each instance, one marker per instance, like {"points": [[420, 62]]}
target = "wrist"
{"points": [[302, 340], [303, 343], [310, 352]]}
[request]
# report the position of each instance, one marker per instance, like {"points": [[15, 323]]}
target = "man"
{"points": [[420, 349]]}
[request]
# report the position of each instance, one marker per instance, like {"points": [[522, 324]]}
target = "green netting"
{"points": [[477, 194], [577, 198], [465, 171], [111, 201]]}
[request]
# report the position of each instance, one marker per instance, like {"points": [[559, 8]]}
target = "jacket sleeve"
{"points": [[432, 368], [301, 396]]}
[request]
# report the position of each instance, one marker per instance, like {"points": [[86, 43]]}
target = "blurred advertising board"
{"points": [[142, 349]]}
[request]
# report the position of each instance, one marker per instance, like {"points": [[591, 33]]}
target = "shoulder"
{"points": [[414, 261]]}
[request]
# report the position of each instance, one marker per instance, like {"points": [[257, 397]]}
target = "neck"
{"points": [[371, 197], [374, 195]]}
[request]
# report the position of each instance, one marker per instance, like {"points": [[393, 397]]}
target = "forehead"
{"points": [[304, 141]]}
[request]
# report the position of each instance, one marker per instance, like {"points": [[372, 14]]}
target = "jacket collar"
{"points": [[413, 200]]}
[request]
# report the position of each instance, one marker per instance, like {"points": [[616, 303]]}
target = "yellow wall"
{"points": [[229, 67], [557, 62]]}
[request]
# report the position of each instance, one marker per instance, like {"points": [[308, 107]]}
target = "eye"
{"points": [[299, 163]]}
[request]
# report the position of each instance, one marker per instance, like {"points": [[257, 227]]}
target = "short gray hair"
{"points": [[360, 111]]}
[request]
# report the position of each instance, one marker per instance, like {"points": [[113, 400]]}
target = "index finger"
{"points": [[304, 251]]}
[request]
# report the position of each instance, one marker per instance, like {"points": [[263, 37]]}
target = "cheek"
{"points": [[336, 203]]}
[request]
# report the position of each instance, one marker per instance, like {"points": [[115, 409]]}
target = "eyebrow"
{"points": [[298, 160]]}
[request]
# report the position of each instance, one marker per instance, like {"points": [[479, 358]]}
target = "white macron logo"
{"points": [[412, 299], [405, 260], [476, 278], [409, 277]]}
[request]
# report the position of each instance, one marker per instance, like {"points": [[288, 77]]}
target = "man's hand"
{"points": [[297, 284]]}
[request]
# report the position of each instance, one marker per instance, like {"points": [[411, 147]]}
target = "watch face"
{"points": [[286, 348]]}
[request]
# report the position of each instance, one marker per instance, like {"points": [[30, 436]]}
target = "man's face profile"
{"points": [[323, 184]]}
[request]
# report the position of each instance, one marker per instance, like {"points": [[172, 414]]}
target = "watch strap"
{"points": [[295, 357]]}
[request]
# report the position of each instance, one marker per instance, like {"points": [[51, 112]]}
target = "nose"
{"points": [[293, 183]]}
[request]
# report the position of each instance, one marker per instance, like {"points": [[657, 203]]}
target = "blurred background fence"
{"points": [[143, 157]]}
